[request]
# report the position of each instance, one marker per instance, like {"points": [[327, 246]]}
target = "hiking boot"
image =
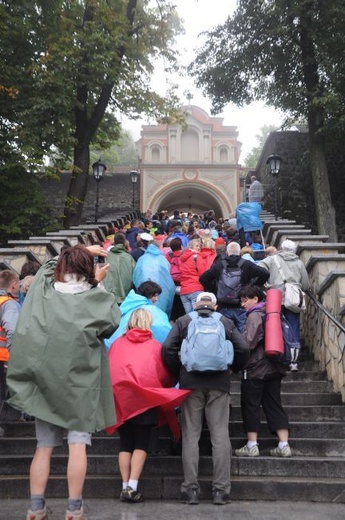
{"points": [[75, 515], [129, 495], [220, 497], [190, 496], [281, 452], [248, 452], [293, 367], [42, 514]]}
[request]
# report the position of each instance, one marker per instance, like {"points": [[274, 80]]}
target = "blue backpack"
{"points": [[289, 341], [205, 348]]}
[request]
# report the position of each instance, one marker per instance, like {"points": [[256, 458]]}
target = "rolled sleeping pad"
{"points": [[274, 344]]}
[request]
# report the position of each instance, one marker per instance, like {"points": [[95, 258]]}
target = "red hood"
{"points": [[187, 253], [138, 335]]}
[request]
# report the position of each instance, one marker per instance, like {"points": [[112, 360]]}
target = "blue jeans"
{"points": [[236, 314], [188, 301], [293, 319]]}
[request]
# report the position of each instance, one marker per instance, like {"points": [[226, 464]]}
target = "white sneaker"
{"points": [[293, 367], [281, 452], [248, 452]]}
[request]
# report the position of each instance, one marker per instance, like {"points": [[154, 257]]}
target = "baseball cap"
{"points": [[146, 236], [206, 300]]}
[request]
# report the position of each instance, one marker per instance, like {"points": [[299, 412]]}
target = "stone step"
{"points": [[168, 488], [264, 488], [315, 413], [298, 429], [294, 386], [330, 467], [331, 446], [311, 398]]}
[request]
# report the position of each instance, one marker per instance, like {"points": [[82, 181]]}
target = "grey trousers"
{"points": [[216, 406]]}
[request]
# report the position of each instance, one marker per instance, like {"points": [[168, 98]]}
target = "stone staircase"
{"points": [[316, 472]]}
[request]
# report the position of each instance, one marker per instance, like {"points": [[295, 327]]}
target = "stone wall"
{"points": [[325, 339], [295, 192], [115, 195]]}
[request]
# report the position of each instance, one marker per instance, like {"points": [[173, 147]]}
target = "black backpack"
{"points": [[230, 283]]}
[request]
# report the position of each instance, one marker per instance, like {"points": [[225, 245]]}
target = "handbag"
{"points": [[294, 297]]}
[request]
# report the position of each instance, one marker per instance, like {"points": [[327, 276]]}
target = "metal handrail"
{"points": [[328, 314]]}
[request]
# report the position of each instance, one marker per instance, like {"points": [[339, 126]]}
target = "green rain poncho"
{"points": [[58, 369]]}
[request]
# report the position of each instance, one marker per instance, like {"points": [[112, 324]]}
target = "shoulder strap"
{"points": [[193, 315], [5, 298], [241, 262], [279, 267]]}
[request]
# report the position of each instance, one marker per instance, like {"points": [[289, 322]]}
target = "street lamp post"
{"points": [[274, 162], [134, 179], [98, 169]]}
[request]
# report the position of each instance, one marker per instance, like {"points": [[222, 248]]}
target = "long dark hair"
{"points": [[76, 260]]}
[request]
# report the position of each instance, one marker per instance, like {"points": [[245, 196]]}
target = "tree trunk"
{"points": [[77, 190], [87, 125], [325, 213]]}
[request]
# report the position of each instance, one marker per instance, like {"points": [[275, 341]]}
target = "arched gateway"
{"points": [[191, 168]]}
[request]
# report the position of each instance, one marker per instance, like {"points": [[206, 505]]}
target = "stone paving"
{"points": [[105, 509]]}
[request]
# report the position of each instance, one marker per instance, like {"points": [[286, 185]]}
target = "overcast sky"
{"points": [[198, 16]]}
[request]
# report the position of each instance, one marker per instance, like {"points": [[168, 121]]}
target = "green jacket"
{"points": [[58, 370], [119, 278]]}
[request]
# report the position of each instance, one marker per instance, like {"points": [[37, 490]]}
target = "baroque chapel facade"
{"points": [[194, 167]]}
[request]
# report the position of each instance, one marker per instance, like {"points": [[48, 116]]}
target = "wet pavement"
{"points": [[107, 509]]}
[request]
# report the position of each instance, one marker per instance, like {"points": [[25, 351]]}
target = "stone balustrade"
{"points": [[325, 263]]}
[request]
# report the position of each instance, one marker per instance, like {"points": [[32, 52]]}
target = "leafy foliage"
{"points": [[288, 53], [65, 66], [24, 211]]}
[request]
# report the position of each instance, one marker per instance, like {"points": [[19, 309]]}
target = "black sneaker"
{"points": [[191, 496], [129, 495], [122, 496], [220, 497]]}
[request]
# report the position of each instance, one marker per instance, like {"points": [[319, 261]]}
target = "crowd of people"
{"points": [[91, 346]]}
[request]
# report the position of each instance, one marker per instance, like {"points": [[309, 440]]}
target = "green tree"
{"points": [[66, 66], [288, 53], [252, 158]]}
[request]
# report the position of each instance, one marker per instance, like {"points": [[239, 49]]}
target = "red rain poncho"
{"points": [[141, 381]]}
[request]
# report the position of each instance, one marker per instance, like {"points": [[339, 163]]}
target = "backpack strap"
{"points": [[280, 269]]}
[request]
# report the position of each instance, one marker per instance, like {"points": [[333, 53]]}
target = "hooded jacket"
{"points": [[193, 264], [59, 369], [141, 381], [155, 267], [119, 278], [160, 326], [293, 268]]}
